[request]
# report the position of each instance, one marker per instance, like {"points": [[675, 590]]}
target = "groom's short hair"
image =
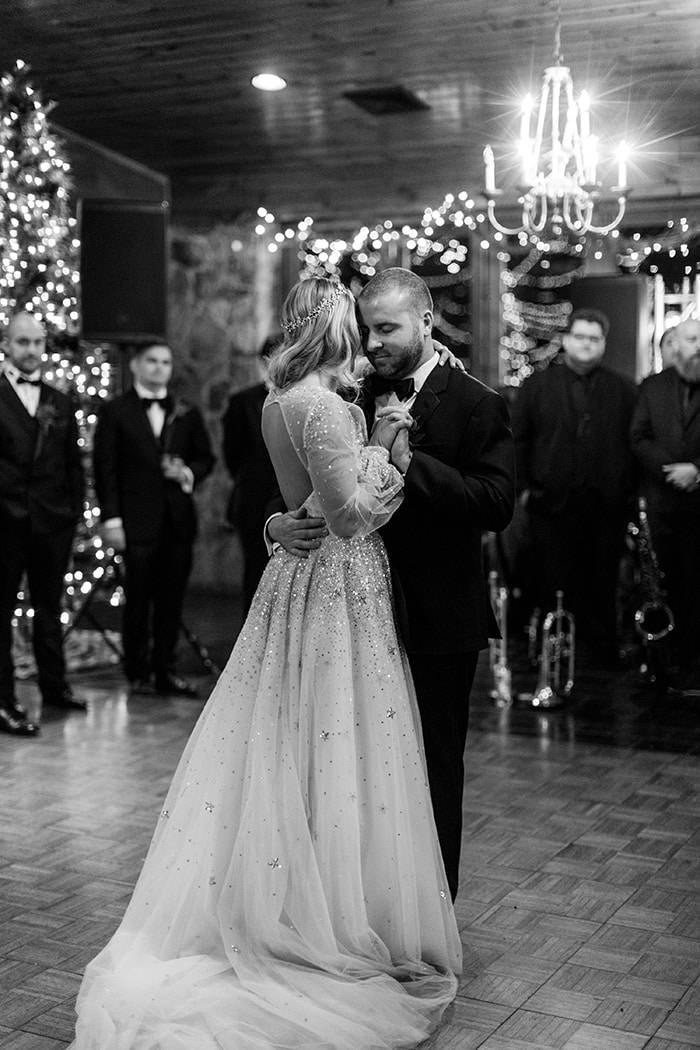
{"points": [[405, 281]]}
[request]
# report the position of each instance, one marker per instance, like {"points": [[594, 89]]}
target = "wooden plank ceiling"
{"points": [[167, 83]]}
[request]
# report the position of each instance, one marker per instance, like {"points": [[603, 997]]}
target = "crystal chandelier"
{"points": [[558, 180]]}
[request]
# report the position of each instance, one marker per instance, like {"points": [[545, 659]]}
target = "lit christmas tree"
{"points": [[39, 273], [38, 243]]}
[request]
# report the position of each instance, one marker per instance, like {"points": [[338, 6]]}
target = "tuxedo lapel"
{"points": [[15, 405], [140, 417], [673, 409], [690, 419], [427, 400]]}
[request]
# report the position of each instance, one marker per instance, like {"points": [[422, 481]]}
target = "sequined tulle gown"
{"points": [[293, 895]]}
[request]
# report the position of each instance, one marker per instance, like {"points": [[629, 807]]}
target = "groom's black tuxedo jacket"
{"points": [[461, 483], [41, 476], [128, 476]]}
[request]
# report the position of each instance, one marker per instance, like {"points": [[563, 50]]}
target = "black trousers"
{"points": [[44, 557], [676, 540], [443, 684], [578, 550], [155, 581]]}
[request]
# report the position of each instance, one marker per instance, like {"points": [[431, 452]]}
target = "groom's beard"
{"points": [[399, 362]]}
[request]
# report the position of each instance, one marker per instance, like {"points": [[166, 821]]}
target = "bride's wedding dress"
{"points": [[294, 895]]}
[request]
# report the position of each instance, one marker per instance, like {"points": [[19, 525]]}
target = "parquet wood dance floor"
{"points": [[579, 898]]}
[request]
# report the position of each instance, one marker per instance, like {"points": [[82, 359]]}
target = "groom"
{"points": [[458, 464]]}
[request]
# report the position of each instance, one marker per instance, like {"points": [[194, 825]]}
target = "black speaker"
{"points": [[625, 301], [123, 274]]}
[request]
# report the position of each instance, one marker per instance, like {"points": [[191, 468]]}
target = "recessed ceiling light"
{"points": [[268, 82]]}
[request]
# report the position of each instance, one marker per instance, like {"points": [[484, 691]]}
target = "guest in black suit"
{"points": [[576, 478], [41, 500], [253, 476], [665, 437], [150, 451], [459, 482]]}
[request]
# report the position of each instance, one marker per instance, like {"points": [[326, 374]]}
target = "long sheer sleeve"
{"points": [[356, 487]]}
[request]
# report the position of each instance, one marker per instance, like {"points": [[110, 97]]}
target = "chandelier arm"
{"points": [[491, 209], [622, 204], [567, 204], [529, 216]]}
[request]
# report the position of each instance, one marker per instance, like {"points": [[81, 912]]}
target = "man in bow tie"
{"points": [[150, 452], [458, 465], [41, 501]]}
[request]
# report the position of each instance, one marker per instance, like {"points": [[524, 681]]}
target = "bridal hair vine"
{"points": [[326, 304]]}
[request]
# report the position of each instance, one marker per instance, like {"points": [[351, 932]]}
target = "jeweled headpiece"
{"points": [[326, 304]]}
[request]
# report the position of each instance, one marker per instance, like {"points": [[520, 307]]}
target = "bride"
{"points": [[294, 897]]}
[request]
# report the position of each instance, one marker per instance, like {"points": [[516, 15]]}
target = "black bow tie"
{"points": [[148, 401], [403, 388], [32, 382]]}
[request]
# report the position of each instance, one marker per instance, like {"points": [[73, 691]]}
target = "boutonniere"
{"points": [[416, 434], [46, 414], [179, 409]]}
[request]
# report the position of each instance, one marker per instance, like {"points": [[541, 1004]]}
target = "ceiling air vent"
{"points": [[382, 100]]}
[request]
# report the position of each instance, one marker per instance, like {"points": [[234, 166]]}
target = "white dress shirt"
{"points": [[155, 412], [28, 393]]}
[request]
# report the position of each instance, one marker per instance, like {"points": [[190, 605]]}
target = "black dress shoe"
{"points": [[16, 723], [14, 708], [171, 685], [64, 701], [141, 687], [685, 684]]}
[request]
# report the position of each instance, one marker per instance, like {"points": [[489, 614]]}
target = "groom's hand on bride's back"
{"points": [[297, 532]]}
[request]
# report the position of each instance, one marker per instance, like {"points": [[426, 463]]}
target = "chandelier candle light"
{"points": [[558, 171]]}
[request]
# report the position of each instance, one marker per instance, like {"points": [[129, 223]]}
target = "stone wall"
{"points": [[223, 302]]}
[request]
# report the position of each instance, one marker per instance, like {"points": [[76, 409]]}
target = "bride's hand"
{"points": [[400, 453], [387, 424]]}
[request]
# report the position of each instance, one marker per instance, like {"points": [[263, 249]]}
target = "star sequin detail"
{"points": [[390, 713], [165, 814], [236, 949], [212, 880], [443, 895], [324, 734], [274, 863], [209, 806]]}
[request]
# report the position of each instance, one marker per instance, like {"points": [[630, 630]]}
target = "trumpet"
{"points": [[557, 657], [498, 647]]}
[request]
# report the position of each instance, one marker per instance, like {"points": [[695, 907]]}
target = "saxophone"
{"points": [[653, 619]]}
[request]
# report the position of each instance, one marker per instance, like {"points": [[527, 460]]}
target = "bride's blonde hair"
{"points": [[321, 334]]}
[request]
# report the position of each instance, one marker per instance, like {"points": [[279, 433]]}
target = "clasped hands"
{"points": [[390, 431], [174, 469], [298, 533], [684, 476]]}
